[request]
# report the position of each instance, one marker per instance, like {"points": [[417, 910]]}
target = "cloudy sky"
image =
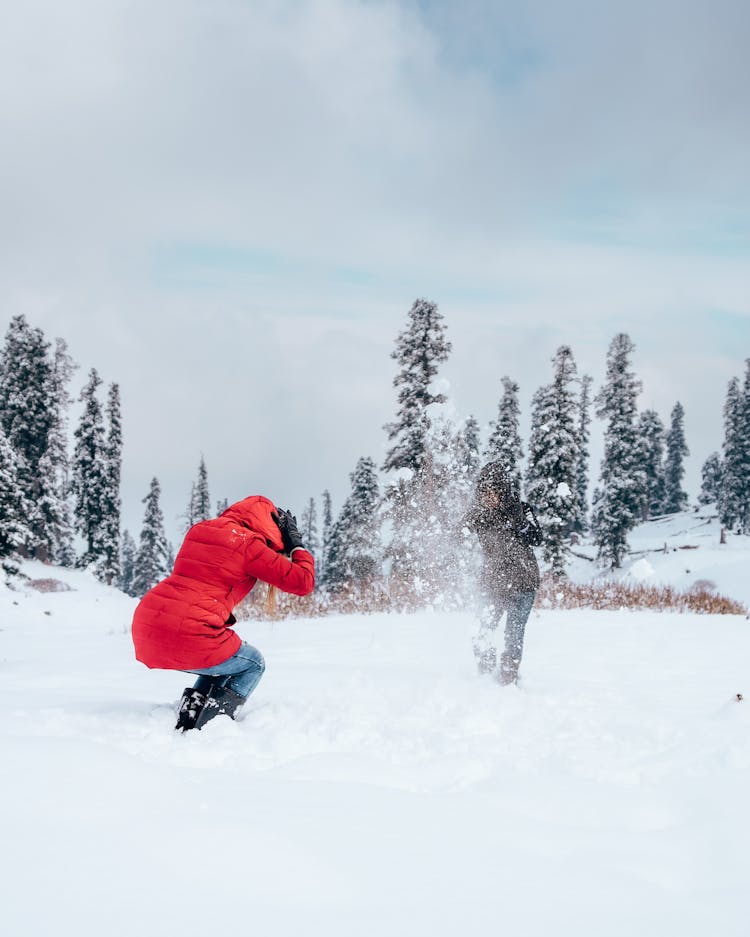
{"points": [[229, 206]]}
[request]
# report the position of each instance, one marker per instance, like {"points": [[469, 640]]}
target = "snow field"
{"points": [[693, 555], [375, 784]]}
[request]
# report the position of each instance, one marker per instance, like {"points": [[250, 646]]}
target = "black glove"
{"points": [[531, 531], [287, 524]]}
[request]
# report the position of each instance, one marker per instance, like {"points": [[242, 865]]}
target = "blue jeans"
{"points": [[240, 673], [518, 607]]}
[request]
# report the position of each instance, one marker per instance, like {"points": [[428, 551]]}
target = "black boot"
{"points": [[486, 658], [221, 702], [508, 670], [190, 708]]}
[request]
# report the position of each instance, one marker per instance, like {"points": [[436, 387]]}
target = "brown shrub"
{"points": [[355, 599], [48, 585], [616, 594], [368, 599]]}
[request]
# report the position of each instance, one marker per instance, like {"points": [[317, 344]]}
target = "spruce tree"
{"points": [[618, 498], [13, 507], [199, 502], [189, 516], [675, 499], [151, 562], [553, 459], [580, 524], [27, 415], [325, 537], [221, 505], [650, 434], [712, 474], [734, 500], [127, 564], [202, 499], [730, 506], [26, 380], [90, 476], [54, 536], [354, 558], [437, 560], [504, 444], [745, 451], [471, 445], [108, 566], [308, 528], [462, 458], [420, 349]]}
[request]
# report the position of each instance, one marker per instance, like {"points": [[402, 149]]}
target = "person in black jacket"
{"points": [[507, 530]]}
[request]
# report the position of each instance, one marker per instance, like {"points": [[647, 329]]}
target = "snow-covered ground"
{"points": [[682, 550], [376, 785]]}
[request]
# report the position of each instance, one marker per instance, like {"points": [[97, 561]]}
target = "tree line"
{"points": [[401, 524], [48, 495], [400, 527]]}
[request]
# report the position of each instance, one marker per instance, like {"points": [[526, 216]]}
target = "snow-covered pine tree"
{"points": [[580, 524], [221, 505], [151, 561], [13, 508], [27, 415], [89, 481], [321, 565], [618, 497], [711, 479], [650, 435], [53, 505], [729, 503], [444, 489], [675, 499], [504, 444], [463, 459], [745, 451], [308, 528], [354, 557], [127, 564], [734, 500], [199, 502], [108, 567], [420, 348], [554, 450], [201, 497], [470, 446], [189, 516]]}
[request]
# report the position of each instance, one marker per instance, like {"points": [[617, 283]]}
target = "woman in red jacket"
{"points": [[184, 622]]}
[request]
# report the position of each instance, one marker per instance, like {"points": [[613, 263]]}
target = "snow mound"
{"points": [[641, 570]]}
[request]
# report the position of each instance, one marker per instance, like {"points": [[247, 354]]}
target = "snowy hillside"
{"points": [[681, 550], [375, 785]]}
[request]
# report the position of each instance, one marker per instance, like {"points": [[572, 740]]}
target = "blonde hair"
{"points": [[271, 601]]}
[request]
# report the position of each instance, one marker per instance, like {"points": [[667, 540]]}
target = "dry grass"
{"points": [[48, 585], [356, 600], [615, 594], [401, 597]]}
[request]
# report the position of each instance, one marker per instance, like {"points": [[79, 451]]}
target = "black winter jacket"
{"points": [[507, 534]]}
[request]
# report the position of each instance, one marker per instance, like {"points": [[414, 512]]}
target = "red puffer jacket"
{"points": [[181, 624]]}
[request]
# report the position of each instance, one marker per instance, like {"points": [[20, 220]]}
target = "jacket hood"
{"points": [[255, 512], [494, 477]]}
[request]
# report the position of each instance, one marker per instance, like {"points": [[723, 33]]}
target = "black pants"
{"points": [[517, 608]]}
